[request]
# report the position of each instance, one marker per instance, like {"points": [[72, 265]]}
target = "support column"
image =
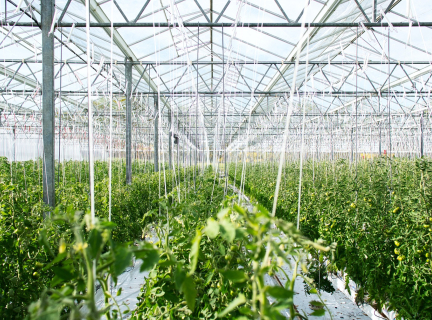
{"points": [[352, 146], [332, 147], [421, 137], [156, 134], [48, 116], [170, 140], [128, 76]]}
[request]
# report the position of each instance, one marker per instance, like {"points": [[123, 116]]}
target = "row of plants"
{"points": [[24, 233], [214, 256], [379, 212], [209, 262]]}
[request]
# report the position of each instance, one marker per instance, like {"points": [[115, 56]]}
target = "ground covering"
{"points": [[379, 212]]}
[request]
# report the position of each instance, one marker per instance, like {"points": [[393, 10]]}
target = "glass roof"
{"points": [[223, 84]]}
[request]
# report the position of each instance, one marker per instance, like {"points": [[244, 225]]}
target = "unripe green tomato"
{"points": [[36, 274], [233, 247], [228, 257], [238, 260]]}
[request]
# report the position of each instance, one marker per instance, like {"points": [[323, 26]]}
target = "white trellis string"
{"points": [[90, 115]]}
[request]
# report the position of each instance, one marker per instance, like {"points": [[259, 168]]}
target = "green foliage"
{"points": [[208, 260], [29, 243], [90, 255], [214, 260], [379, 213]]}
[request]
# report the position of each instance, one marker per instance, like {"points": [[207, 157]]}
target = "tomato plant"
{"points": [[378, 212]]}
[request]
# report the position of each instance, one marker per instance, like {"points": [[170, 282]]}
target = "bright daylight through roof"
{"points": [[203, 159]]}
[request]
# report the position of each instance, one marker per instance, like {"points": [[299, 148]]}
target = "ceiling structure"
{"points": [[354, 73]]}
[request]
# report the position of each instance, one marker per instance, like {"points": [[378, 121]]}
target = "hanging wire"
{"points": [[302, 139], [293, 86], [90, 116], [111, 115]]}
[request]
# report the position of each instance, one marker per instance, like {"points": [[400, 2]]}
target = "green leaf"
{"points": [[166, 263], [227, 231], [316, 303], [222, 249], [62, 273], [318, 313], [263, 211], [239, 209], [194, 253], [59, 258], [212, 228], [235, 275], [55, 281], [179, 277], [189, 291], [43, 240], [223, 213], [209, 277], [279, 293], [95, 243], [150, 258], [123, 259], [150, 261], [241, 299], [108, 225], [119, 291]]}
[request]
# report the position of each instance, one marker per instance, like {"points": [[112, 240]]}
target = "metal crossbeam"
{"points": [[224, 24]]}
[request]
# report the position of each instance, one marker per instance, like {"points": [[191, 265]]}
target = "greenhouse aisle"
{"points": [[131, 282], [340, 306]]}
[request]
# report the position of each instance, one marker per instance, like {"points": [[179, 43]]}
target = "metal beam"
{"points": [[362, 11], [239, 62], [202, 11], [104, 21], [374, 10], [311, 31], [64, 11], [156, 134], [48, 120], [223, 24], [141, 11], [170, 133], [128, 76], [282, 10], [222, 12], [237, 94], [421, 137]]}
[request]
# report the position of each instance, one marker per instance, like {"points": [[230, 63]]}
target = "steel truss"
{"points": [[218, 81]]}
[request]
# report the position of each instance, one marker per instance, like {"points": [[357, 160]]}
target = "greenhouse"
{"points": [[203, 159]]}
